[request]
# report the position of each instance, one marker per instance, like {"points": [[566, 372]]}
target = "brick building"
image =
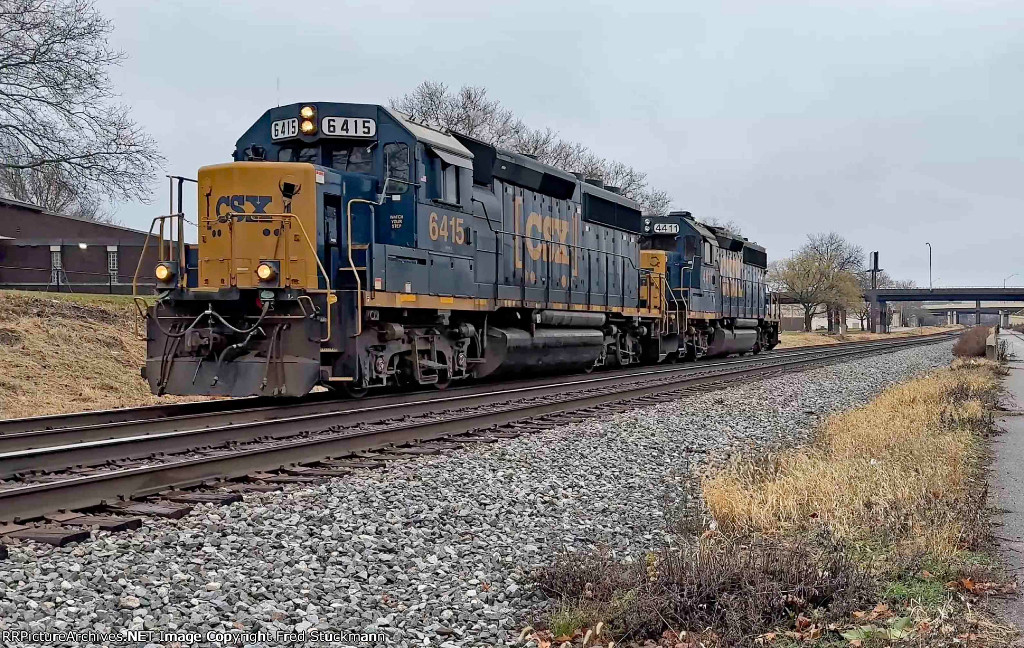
{"points": [[40, 250]]}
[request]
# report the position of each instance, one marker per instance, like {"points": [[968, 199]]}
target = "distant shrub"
{"points": [[972, 342]]}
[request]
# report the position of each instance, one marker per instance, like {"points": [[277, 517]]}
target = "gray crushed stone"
{"points": [[436, 550]]}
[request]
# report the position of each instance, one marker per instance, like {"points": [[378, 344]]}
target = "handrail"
{"points": [[352, 262], [686, 307], [182, 270]]}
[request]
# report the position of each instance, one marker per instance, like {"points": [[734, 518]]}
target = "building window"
{"points": [[56, 264], [112, 264]]}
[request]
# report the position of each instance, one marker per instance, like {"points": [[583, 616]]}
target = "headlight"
{"points": [[307, 117], [164, 272], [265, 272]]}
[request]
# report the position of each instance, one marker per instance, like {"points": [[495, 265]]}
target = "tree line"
{"points": [[828, 275], [470, 111]]}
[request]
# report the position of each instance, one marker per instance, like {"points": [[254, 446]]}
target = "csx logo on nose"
{"points": [[237, 205]]}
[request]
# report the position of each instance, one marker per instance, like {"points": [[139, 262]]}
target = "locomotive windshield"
{"points": [[309, 154], [355, 158]]}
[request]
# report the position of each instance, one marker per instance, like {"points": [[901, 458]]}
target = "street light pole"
{"points": [[1007, 277], [929, 264]]}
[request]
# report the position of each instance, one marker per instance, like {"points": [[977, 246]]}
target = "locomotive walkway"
{"points": [[122, 472]]}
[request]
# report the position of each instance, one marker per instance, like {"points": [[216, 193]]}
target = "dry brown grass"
{"points": [[790, 339], [68, 353], [877, 532], [903, 471], [971, 343]]}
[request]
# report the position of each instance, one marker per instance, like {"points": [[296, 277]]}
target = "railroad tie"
{"points": [[441, 445], [245, 487], [57, 536], [352, 463], [201, 497], [504, 435], [415, 451], [316, 471], [112, 523], [272, 478], [167, 510]]}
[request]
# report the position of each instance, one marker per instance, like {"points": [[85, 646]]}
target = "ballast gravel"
{"points": [[436, 550]]}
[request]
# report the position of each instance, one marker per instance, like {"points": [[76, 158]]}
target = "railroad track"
{"points": [[69, 483], [43, 431]]}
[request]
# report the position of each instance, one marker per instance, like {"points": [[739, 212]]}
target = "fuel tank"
{"points": [[547, 350], [725, 341]]}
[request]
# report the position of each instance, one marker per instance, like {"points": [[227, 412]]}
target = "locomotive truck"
{"points": [[350, 246]]}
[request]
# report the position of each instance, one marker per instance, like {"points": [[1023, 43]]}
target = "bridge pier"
{"points": [[879, 317], [977, 312]]}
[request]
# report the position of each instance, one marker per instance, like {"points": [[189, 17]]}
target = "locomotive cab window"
{"points": [[357, 158], [452, 177], [309, 154], [396, 157], [666, 243], [450, 183]]}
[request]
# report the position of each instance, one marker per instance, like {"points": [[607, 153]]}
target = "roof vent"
{"points": [[597, 182], [579, 176]]}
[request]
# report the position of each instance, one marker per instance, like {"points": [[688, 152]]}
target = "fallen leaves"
{"points": [[983, 588]]}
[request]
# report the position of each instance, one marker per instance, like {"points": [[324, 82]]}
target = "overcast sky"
{"points": [[892, 125]]}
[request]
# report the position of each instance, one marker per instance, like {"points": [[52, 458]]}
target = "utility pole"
{"points": [[876, 314], [929, 264]]}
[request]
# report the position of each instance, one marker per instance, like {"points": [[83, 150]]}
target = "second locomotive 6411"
{"points": [[349, 246]]}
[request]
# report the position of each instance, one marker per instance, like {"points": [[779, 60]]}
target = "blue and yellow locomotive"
{"points": [[349, 246]]}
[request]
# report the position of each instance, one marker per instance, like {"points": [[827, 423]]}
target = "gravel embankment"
{"points": [[435, 550]]}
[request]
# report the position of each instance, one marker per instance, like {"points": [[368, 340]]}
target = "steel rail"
{"points": [[46, 450], [33, 500], [26, 434]]}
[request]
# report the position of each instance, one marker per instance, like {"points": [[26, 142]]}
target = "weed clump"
{"points": [[738, 589], [971, 343]]}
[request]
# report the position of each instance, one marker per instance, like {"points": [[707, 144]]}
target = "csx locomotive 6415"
{"points": [[349, 246]]}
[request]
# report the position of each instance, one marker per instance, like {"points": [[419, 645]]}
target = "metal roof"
{"points": [[36, 208], [431, 136]]}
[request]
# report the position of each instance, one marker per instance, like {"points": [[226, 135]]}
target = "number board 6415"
{"points": [[348, 127]]}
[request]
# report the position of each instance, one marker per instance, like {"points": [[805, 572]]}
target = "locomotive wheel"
{"points": [[354, 391], [443, 380]]}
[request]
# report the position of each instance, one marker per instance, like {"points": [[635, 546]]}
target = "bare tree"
{"points": [[470, 112], [838, 258], [730, 226], [654, 202], [58, 110], [49, 188], [803, 279], [822, 274]]}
